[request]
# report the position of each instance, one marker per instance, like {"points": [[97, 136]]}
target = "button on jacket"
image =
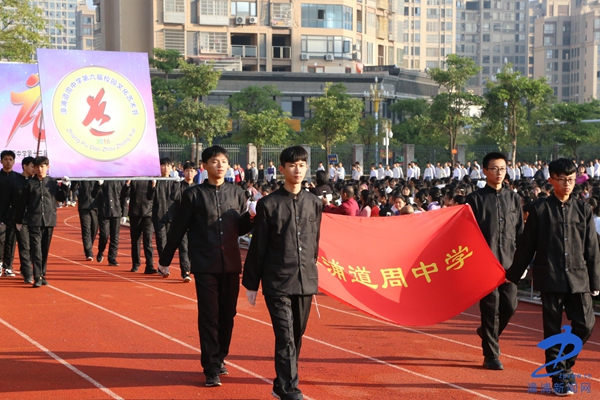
{"points": [[563, 238], [86, 199], [285, 244], [111, 199], [214, 217], [500, 219], [39, 198]]}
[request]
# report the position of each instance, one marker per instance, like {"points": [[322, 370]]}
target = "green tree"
{"points": [[449, 111], [268, 127], [415, 125], [571, 130], [335, 116], [254, 99], [165, 60], [20, 27], [510, 99], [194, 119]]}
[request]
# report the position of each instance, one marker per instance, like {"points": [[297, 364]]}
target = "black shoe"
{"points": [[150, 271], [134, 268], [480, 332], [38, 282], [99, 257], [213, 380], [44, 281], [113, 263], [223, 370], [493, 364], [28, 279], [89, 258], [562, 389]]}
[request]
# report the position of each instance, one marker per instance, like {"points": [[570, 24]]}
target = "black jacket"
{"points": [[163, 205], [38, 202], [15, 191], [285, 244], [111, 199], [140, 196], [5, 183], [86, 199], [563, 239], [214, 217], [500, 220]]}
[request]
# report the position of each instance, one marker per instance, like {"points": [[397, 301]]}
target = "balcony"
{"points": [[359, 27], [281, 52], [243, 51]]}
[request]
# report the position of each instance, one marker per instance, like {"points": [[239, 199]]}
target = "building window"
{"points": [[213, 42], [326, 16], [549, 29], [319, 46], [88, 42], [175, 40], [216, 8], [87, 31], [371, 23], [243, 8]]}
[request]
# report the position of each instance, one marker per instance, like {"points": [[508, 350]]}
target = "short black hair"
{"points": [[41, 160], [27, 161], [7, 153], [494, 155], [188, 165], [213, 151], [349, 190], [165, 161], [562, 166], [293, 154]]}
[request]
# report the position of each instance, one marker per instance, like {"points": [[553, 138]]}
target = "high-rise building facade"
{"points": [[335, 36], [84, 27], [61, 17]]}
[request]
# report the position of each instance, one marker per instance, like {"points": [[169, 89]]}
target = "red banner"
{"points": [[418, 269]]}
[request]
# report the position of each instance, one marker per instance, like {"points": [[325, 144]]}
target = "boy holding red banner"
{"points": [[283, 254], [561, 238], [497, 210]]}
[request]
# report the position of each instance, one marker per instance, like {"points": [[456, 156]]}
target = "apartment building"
{"points": [[61, 16], [84, 27], [333, 36]]}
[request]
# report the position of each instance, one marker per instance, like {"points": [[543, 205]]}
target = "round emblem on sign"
{"points": [[99, 113]]}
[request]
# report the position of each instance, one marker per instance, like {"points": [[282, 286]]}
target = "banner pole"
{"points": [[37, 151]]}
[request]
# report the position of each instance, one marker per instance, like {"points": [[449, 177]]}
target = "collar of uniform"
{"points": [[290, 194], [490, 189], [557, 201], [215, 186]]}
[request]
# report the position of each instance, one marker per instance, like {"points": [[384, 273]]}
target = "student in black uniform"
{"points": [[112, 207], [38, 210], [561, 238], [282, 255], [7, 157], [213, 214], [497, 210], [140, 194], [163, 204], [87, 205], [15, 190]]}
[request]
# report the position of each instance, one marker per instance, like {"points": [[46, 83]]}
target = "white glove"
{"points": [[251, 296], [19, 227], [123, 220], [252, 208], [101, 181], [595, 293], [66, 180], [524, 274]]}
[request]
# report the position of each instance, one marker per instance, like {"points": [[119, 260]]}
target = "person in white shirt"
{"points": [[358, 169], [517, 170], [410, 172], [428, 173], [380, 171], [270, 174], [457, 173], [510, 171], [590, 170], [396, 170], [230, 175], [373, 173], [527, 173], [596, 169], [332, 173], [447, 169], [388, 171], [475, 173], [341, 172], [355, 174], [417, 169], [464, 172], [320, 167], [439, 171]]}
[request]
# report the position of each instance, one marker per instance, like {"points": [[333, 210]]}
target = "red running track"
{"points": [[104, 332]]}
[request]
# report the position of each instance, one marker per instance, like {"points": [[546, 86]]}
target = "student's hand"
{"points": [[123, 220], [153, 182], [66, 180], [524, 274], [19, 227], [251, 296], [252, 209], [325, 200], [595, 293], [101, 181], [128, 182]]}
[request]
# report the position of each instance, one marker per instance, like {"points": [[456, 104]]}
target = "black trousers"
{"points": [[497, 308], [580, 311], [141, 227], [184, 257], [89, 230], [39, 241], [289, 316], [217, 300], [13, 236], [161, 229], [2, 240], [109, 227]]}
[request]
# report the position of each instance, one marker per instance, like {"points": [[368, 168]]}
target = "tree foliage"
{"points": [[570, 130], [268, 127], [21, 25], [254, 99], [335, 116], [165, 60]]}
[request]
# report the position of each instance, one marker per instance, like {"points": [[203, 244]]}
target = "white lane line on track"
{"points": [[252, 319], [63, 362]]}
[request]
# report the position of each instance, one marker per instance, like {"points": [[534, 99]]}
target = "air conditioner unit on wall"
{"points": [[252, 20], [304, 56], [329, 57], [240, 20], [390, 36]]}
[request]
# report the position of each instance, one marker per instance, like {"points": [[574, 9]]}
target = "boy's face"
{"points": [[42, 170], [217, 166], [29, 169], [399, 203], [165, 169], [495, 171], [293, 172], [563, 184], [7, 163], [189, 174]]}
